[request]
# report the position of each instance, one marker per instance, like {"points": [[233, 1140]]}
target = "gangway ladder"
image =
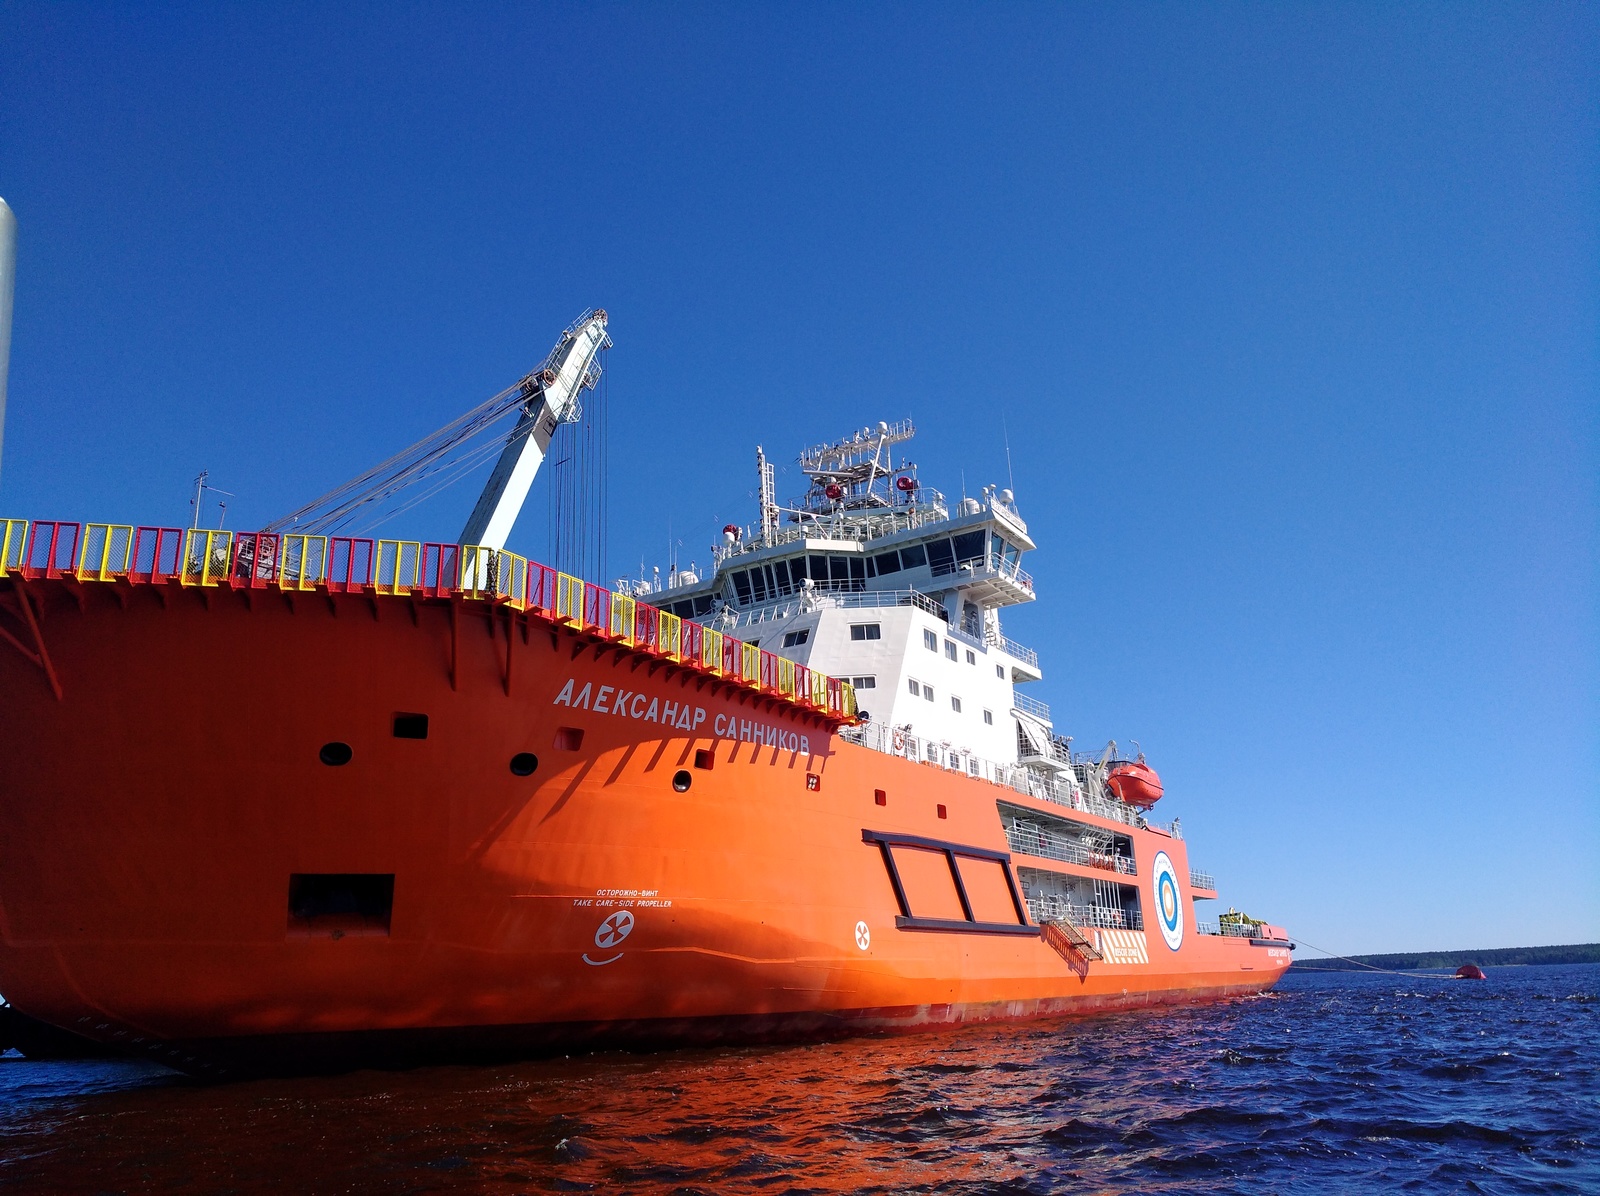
{"points": [[1069, 942]]}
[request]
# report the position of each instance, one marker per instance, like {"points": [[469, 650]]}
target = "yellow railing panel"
{"points": [[786, 676], [398, 569], [569, 598], [671, 640], [13, 542], [622, 611], [205, 557], [302, 561], [751, 663], [849, 699], [103, 555], [511, 579]]}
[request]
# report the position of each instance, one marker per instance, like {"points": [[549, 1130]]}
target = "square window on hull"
{"points": [[340, 904]]}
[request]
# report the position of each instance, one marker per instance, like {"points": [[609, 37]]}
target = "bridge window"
{"points": [[741, 585], [887, 562], [912, 556], [940, 556], [969, 546]]}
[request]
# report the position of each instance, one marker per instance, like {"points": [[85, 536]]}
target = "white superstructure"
{"points": [[873, 577]]}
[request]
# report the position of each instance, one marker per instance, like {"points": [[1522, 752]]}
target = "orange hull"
{"points": [[153, 815]]}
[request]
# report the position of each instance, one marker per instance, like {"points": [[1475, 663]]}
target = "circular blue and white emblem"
{"points": [[1169, 908]]}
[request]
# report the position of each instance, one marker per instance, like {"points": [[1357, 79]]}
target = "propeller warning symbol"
{"points": [[614, 929]]}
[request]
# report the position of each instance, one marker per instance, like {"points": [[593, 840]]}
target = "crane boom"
{"points": [[553, 395]]}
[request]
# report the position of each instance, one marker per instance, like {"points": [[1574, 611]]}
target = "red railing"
{"points": [[349, 564], [52, 549], [157, 554], [541, 588], [441, 570], [255, 561]]}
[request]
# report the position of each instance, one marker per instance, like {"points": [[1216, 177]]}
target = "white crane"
{"points": [[541, 402], [553, 398]]}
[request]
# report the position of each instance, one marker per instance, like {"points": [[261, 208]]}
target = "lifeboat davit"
{"points": [[1135, 782]]}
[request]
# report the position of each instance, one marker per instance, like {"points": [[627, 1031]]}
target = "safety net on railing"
{"points": [[201, 558]]}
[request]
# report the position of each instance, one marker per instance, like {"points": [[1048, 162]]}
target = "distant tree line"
{"points": [[1494, 956]]}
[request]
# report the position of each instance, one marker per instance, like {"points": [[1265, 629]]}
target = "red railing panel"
{"points": [[52, 548], [157, 554], [255, 560], [440, 570], [541, 588], [596, 608], [647, 627], [349, 563]]}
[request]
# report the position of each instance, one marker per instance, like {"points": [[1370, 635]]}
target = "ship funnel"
{"points": [[8, 275]]}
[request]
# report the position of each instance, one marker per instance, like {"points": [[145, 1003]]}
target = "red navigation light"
{"points": [[834, 491], [906, 484]]}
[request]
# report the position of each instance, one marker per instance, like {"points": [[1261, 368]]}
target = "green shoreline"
{"points": [[1418, 960]]}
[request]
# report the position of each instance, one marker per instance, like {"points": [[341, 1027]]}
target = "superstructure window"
{"points": [[887, 562], [794, 639], [950, 649], [868, 682], [930, 640], [758, 584], [1000, 670], [988, 717], [866, 631], [955, 703], [927, 692], [912, 556], [916, 686], [741, 586], [969, 546], [972, 657], [940, 556]]}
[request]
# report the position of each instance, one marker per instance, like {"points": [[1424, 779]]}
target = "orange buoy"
{"points": [[1136, 783], [1470, 971]]}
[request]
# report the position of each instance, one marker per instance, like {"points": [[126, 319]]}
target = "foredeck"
{"points": [[197, 559]]}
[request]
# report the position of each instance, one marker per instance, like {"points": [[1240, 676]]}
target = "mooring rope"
{"points": [[1359, 964]]}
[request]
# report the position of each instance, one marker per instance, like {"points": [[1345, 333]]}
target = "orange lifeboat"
{"points": [[1135, 782]]}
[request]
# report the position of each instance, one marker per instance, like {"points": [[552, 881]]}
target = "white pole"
{"points": [[8, 277]]}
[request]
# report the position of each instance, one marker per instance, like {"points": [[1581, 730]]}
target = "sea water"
{"points": [[1336, 1082]]}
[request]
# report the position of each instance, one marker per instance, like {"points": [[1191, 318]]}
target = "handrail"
{"points": [[291, 561], [1202, 880], [1033, 706]]}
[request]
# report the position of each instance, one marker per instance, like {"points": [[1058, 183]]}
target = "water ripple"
{"points": [[1334, 1083]]}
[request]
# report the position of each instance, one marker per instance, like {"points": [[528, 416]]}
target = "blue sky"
{"points": [[1290, 313]]}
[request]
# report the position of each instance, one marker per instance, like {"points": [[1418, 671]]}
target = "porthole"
{"points": [[334, 754], [681, 780], [523, 764]]}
